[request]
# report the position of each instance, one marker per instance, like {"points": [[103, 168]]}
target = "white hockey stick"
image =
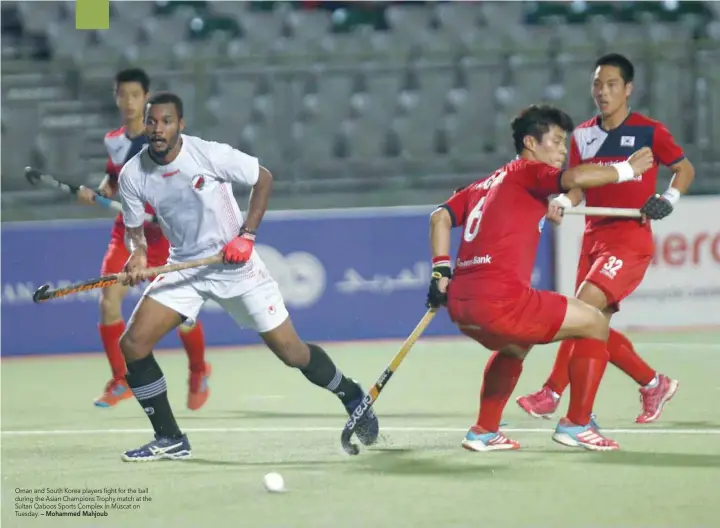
{"points": [[604, 211]]}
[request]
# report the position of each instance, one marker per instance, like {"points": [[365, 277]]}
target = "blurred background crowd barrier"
{"points": [[348, 103]]}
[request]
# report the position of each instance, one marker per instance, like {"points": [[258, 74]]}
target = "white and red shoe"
{"points": [[540, 404], [478, 439], [654, 398], [585, 436]]}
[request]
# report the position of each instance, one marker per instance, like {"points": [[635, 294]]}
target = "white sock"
{"points": [[555, 395], [653, 383]]}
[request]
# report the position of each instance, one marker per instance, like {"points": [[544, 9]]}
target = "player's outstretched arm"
{"points": [[590, 175], [440, 227]]}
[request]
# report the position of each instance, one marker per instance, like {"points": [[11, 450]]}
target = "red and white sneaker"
{"points": [[540, 404], [478, 439], [585, 436], [654, 399]]}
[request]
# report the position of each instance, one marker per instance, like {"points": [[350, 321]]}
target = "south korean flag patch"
{"points": [[627, 141]]}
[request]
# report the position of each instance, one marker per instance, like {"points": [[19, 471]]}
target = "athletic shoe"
{"points": [[654, 399], [479, 440], [161, 448], [199, 391], [114, 392], [540, 404], [585, 436]]}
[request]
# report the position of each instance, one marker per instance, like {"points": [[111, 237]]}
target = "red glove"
{"points": [[239, 249]]}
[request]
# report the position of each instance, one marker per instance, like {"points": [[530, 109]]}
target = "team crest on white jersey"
{"points": [[198, 182]]}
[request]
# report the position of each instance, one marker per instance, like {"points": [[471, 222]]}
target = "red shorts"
{"points": [[519, 316], [117, 255], [614, 261]]}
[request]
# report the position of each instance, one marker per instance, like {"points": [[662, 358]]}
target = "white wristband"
{"points": [[672, 195], [563, 201], [624, 170]]}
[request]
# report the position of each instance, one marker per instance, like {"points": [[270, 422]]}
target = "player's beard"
{"points": [[169, 146]]}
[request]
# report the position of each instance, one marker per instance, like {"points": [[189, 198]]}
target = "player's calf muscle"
{"points": [[287, 345], [111, 304]]}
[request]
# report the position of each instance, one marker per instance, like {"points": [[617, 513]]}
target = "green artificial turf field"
{"points": [[263, 417]]}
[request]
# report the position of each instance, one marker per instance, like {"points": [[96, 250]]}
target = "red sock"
{"points": [[559, 376], [624, 357], [110, 335], [502, 373], [193, 340], [587, 366]]}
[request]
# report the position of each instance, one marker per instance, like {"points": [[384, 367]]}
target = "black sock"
{"points": [[148, 385], [322, 372]]}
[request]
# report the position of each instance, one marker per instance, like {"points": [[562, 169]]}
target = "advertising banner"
{"points": [[345, 275], [682, 286]]}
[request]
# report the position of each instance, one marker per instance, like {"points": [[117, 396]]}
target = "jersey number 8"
{"points": [[472, 224]]}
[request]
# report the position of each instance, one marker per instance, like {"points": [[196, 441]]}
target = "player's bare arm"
{"points": [[239, 249], [137, 263], [259, 197], [683, 175], [659, 206], [440, 228], [590, 175]]}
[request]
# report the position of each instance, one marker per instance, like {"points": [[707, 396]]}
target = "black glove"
{"points": [[657, 207], [435, 297]]}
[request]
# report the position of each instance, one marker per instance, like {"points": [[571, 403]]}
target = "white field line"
{"points": [[316, 429]]}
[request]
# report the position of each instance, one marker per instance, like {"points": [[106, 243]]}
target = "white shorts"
{"points": [[259, 305]]}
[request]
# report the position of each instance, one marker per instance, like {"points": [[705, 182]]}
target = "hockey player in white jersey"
{"points": [[188, 182]]}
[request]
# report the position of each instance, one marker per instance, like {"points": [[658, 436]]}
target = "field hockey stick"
{"points": [[375, 390], [603, 211], [35, 177], [44, 293]]}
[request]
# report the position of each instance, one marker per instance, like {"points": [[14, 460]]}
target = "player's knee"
{"points": [[583, 320], [598, 325], [592, 295], [515, 351], [133, 346]]}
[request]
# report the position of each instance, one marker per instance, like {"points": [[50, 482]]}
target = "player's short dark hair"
{"points": [[136, 75], [167, 98], [535, 121], [621, 62]]}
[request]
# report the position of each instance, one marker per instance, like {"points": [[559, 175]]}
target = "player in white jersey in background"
{"points": [[188, 182]]}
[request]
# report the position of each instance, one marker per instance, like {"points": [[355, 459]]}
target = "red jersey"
{"points": [[120, 149], [591, 144], [503, 216]]}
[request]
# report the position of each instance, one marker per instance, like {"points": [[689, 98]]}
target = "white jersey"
{"points": [[192, 197]]}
